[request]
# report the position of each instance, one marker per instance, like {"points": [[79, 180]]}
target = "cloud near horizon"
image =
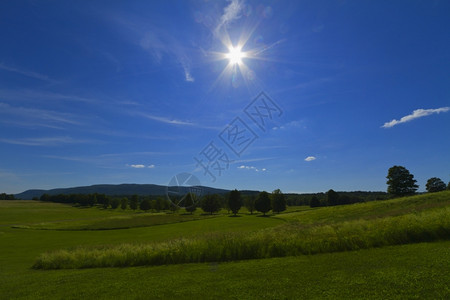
{"points": [[418, 113]]}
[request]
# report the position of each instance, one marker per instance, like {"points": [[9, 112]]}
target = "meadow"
{"points": [[384, 249]]}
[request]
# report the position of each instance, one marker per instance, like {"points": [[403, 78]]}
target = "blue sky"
{"points": [[98, 92]]}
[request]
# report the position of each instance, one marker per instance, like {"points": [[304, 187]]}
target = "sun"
{"points": [[235, 55]]}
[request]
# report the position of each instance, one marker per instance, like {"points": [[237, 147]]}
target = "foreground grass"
{"points": [[418, 271], [285, 240]]}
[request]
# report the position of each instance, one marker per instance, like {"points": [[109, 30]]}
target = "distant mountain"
{"points": [[114, 190]]}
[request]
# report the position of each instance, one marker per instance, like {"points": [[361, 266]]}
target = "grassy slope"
{"points": [[419, 270]]}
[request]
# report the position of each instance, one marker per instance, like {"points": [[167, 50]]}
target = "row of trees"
{"points": [[234, 201], [402, 183]]}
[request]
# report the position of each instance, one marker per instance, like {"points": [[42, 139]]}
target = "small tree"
{"points": [[115, 202], [124, 203], [145, 205], [263, 203], [249, 203], [93, 200], [401, 182], [134, 202], [448, 186], [189, 203], [234, 201], [332, 198], [106, 202], [314, 202], [435, 184], [278, 201], [211, 203], [161, 204]]}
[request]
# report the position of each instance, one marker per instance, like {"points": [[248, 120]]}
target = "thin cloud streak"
{"points": [[418, 113], [26, 73], [40, 117], [22, 95], [165, 120], [45, 141]]}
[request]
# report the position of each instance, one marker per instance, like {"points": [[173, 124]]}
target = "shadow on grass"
{"points": [[234, 216]]}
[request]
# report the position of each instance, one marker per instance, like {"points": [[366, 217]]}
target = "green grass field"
{"points": [[412, 270]]}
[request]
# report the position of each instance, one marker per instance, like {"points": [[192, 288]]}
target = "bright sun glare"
{"points": [[235, 55]]}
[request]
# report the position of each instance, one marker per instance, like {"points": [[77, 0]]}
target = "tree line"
{"points": [[211, 203]]}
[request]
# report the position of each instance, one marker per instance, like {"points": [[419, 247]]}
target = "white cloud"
{"points": [[252, 168], [137, 166], [310, 158], [418, 113], [141, 166]]}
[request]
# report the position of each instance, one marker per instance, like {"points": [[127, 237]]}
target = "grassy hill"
{"points": [[413, 269]]}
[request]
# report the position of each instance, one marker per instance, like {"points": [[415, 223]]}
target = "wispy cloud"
{"points": [[292, 124], [310, 158], [44, 141], [242, 167], [157, 42], [165, 120], [418, 113], [26, 94], [36, 117], [26, 73], [230, 13]]}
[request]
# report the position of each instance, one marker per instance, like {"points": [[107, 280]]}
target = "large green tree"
{"points": [[435, 184], [211, 203], [278, 201], [234, 201], [401, 182], [263, 203]]}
